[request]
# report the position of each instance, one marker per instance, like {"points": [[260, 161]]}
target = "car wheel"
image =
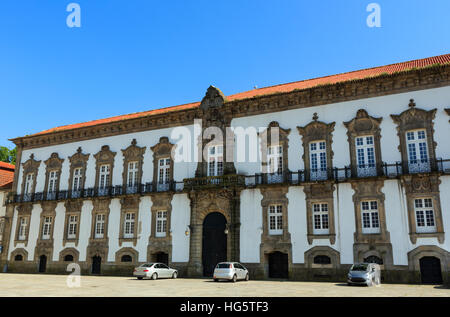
{"points": [[349, 284], [247, 277], [140, 278], [174, 275], [234, 278], [216, 280], [154, 276]]}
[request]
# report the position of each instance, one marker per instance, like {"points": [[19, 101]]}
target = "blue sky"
{"points": [[131, 56]]}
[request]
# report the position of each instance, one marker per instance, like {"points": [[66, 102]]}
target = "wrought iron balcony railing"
{"points": [[246, 181]]}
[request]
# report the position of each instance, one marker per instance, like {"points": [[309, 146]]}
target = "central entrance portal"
{"points": [[214, 242]]}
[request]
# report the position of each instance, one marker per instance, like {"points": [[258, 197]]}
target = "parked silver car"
{"points": [[231, 271], [364, 274], [154, 271]]}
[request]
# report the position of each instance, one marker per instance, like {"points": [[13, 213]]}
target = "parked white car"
{"points": [[364, 274], [154, 271], [231, 271]]}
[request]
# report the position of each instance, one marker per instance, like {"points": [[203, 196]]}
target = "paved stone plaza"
{"points": [[55, 285]]}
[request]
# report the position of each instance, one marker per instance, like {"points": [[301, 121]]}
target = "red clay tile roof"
{"points": [[284, 88], [6, 175]]}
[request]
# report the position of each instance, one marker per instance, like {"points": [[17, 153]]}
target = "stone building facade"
{"points": [[349, 168]]}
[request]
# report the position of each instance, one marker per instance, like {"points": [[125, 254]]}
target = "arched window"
{"points": [[322, 259], [126, 258], [18, 257], [68, 258], [374, 259]]}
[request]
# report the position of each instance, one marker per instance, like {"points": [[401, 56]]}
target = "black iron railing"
{"points": [[247, 181]]}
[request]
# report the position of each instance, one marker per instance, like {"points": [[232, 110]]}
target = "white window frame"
{"points": [[100, 220], [47, 227], [105, 171], [370, 217], [161, 223], [275, 159], [275, 219], [72, 227], [77, 179], [23, 227], [321, 218], [29, 179], [133, 173], [129, 225], [215, 160], [424, 213], [52, 181], [417, 150], [318, 160], [164, 171], [365, 155]]}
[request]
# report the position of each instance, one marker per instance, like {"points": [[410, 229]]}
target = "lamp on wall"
{"points": [[226, 231], [188, 230]]}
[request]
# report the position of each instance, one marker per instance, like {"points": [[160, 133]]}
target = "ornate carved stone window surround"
{"points": [[424, 188], [162, 163], [161, 202], [45, 241], [368, 200], [23, 224], [100, 218], [129, 219], [274, 142], [69, 255], [72, 221], [52, 175], [77, 176], [30, 172], [318, 157], [364, 139], [275, 208], [411, 124], [318, 195], [312, 255], [130, 253], [132, 167], [104, 169], [19, 253]]}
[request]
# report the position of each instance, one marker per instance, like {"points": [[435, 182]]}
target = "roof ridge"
{"points": [[345, 73]]}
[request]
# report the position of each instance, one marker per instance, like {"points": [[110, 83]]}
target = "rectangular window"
{"points": [[46, 228], [370, 217], [161, 223], [215, 160], [29, 180], [417, 148], [23, 227], [129, 225], [318, 160], [365, 156], [132, 174], [425, 221], [164, 171], [320, 218], [52, 179], [104, 176], [100, 226], [77, 181], [72, 227], [275, 219]]}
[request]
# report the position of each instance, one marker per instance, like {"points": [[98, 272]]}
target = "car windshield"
{"points": [[359, 267], [223, 265]]}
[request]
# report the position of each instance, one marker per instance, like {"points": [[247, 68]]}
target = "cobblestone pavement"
{"points": [[55, 285]]}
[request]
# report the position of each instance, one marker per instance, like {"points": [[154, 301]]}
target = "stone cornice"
{"points": [[382, 85]]}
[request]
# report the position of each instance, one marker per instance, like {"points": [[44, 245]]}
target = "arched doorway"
{"points": [[42, 264], [278, 265], [430, 270], [96, 264], [214, 246]]}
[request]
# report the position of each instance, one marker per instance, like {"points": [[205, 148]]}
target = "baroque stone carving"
{"points": [[423, 186], [105, 156], [412, 119], [31, 166], [78, 160], [53, 164], [364, 125], [282, 135], [133, 153], [164, 149], [317, 131]]}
